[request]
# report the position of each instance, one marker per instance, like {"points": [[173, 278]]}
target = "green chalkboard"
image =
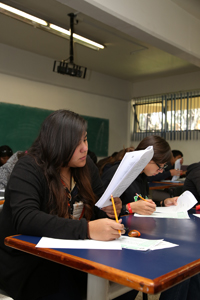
{"points": [[20, 125]]}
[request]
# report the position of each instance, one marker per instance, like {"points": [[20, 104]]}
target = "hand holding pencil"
{"points": [[145, 207]]}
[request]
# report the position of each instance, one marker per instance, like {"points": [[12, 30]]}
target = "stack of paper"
{"points": [[130, 167]]}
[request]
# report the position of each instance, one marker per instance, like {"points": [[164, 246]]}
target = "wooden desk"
{"points": [[158, 185], [149, 272], [2, 202]]}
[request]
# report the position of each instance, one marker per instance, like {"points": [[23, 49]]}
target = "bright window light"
{"points": [[23, 14]]}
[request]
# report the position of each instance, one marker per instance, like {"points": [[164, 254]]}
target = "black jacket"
{"points": [[192, 181], [25, 211]]}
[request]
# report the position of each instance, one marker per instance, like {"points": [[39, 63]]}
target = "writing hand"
{"points": [[105, 229], [143, 207]]}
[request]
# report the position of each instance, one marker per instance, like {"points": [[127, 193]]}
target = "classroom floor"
{"points": [[150, 297]]}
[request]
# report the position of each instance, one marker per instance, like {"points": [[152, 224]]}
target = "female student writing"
{"points": [[51, 192], [131, 202]]}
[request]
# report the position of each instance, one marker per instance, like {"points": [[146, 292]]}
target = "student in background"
{"points": [[131, 202], [7, 168], [192, 181], [5, 153], [107, 162], [51, 192], [169, 171]]}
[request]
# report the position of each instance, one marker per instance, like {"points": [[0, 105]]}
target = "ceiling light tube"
{"points": [[23, 14], [77, 37], [60, 29]]}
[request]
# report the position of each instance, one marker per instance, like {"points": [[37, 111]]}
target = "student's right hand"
{"points": [[175, 172], [143, 207], [105, 229]]}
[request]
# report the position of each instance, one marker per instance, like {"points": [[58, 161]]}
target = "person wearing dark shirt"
{"points": [[169, 171], [5, 153], [52, 192], [192, 181], [131, 202]]}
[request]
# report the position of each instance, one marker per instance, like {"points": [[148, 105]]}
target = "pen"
{"points": [[141, 197], [114, 208]]}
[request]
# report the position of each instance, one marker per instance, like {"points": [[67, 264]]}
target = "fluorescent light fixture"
{"points": [[60, 29], [23, 14], [80, 39], [13, 12]]}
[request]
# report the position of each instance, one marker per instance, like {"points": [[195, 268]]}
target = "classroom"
{"points": [[100, 95], [151, 57]]}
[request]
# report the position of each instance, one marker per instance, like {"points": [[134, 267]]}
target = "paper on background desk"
{"points": [[129, 168], [185, 202], [177, 166], [122, 242]]}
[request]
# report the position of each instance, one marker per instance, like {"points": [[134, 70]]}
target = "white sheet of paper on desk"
{"points": [[130, 167], [170, 215], [185, 202], [163, 245], [137, 243], [196, 215], [46, 242]]}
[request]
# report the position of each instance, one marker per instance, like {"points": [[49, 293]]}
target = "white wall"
{"points": [[39, 91]]}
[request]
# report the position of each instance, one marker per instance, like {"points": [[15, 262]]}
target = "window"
{"points": [[173, 117]]}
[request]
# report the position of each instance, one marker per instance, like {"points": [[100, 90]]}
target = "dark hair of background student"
{"points": [[51, 155], [112, 159], [162, 150]]}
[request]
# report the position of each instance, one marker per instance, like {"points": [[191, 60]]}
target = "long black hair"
{"points": [[59, 136]]}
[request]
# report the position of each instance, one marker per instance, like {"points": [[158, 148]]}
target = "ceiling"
{"points": [[123, 57]]}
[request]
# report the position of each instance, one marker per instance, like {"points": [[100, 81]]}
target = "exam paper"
{"points": [[130, 167], [177, 166], [170, 215], [46, 242], [196, 215], [123, 242], [185, 202], [137, 243]]}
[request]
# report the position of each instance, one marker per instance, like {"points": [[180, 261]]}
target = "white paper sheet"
{"points": [[196, 215], [46, 242], [137, 243], [164, 245], [171, 215], [177, 166], [185, 202], [130, 167], [123, 242]]}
